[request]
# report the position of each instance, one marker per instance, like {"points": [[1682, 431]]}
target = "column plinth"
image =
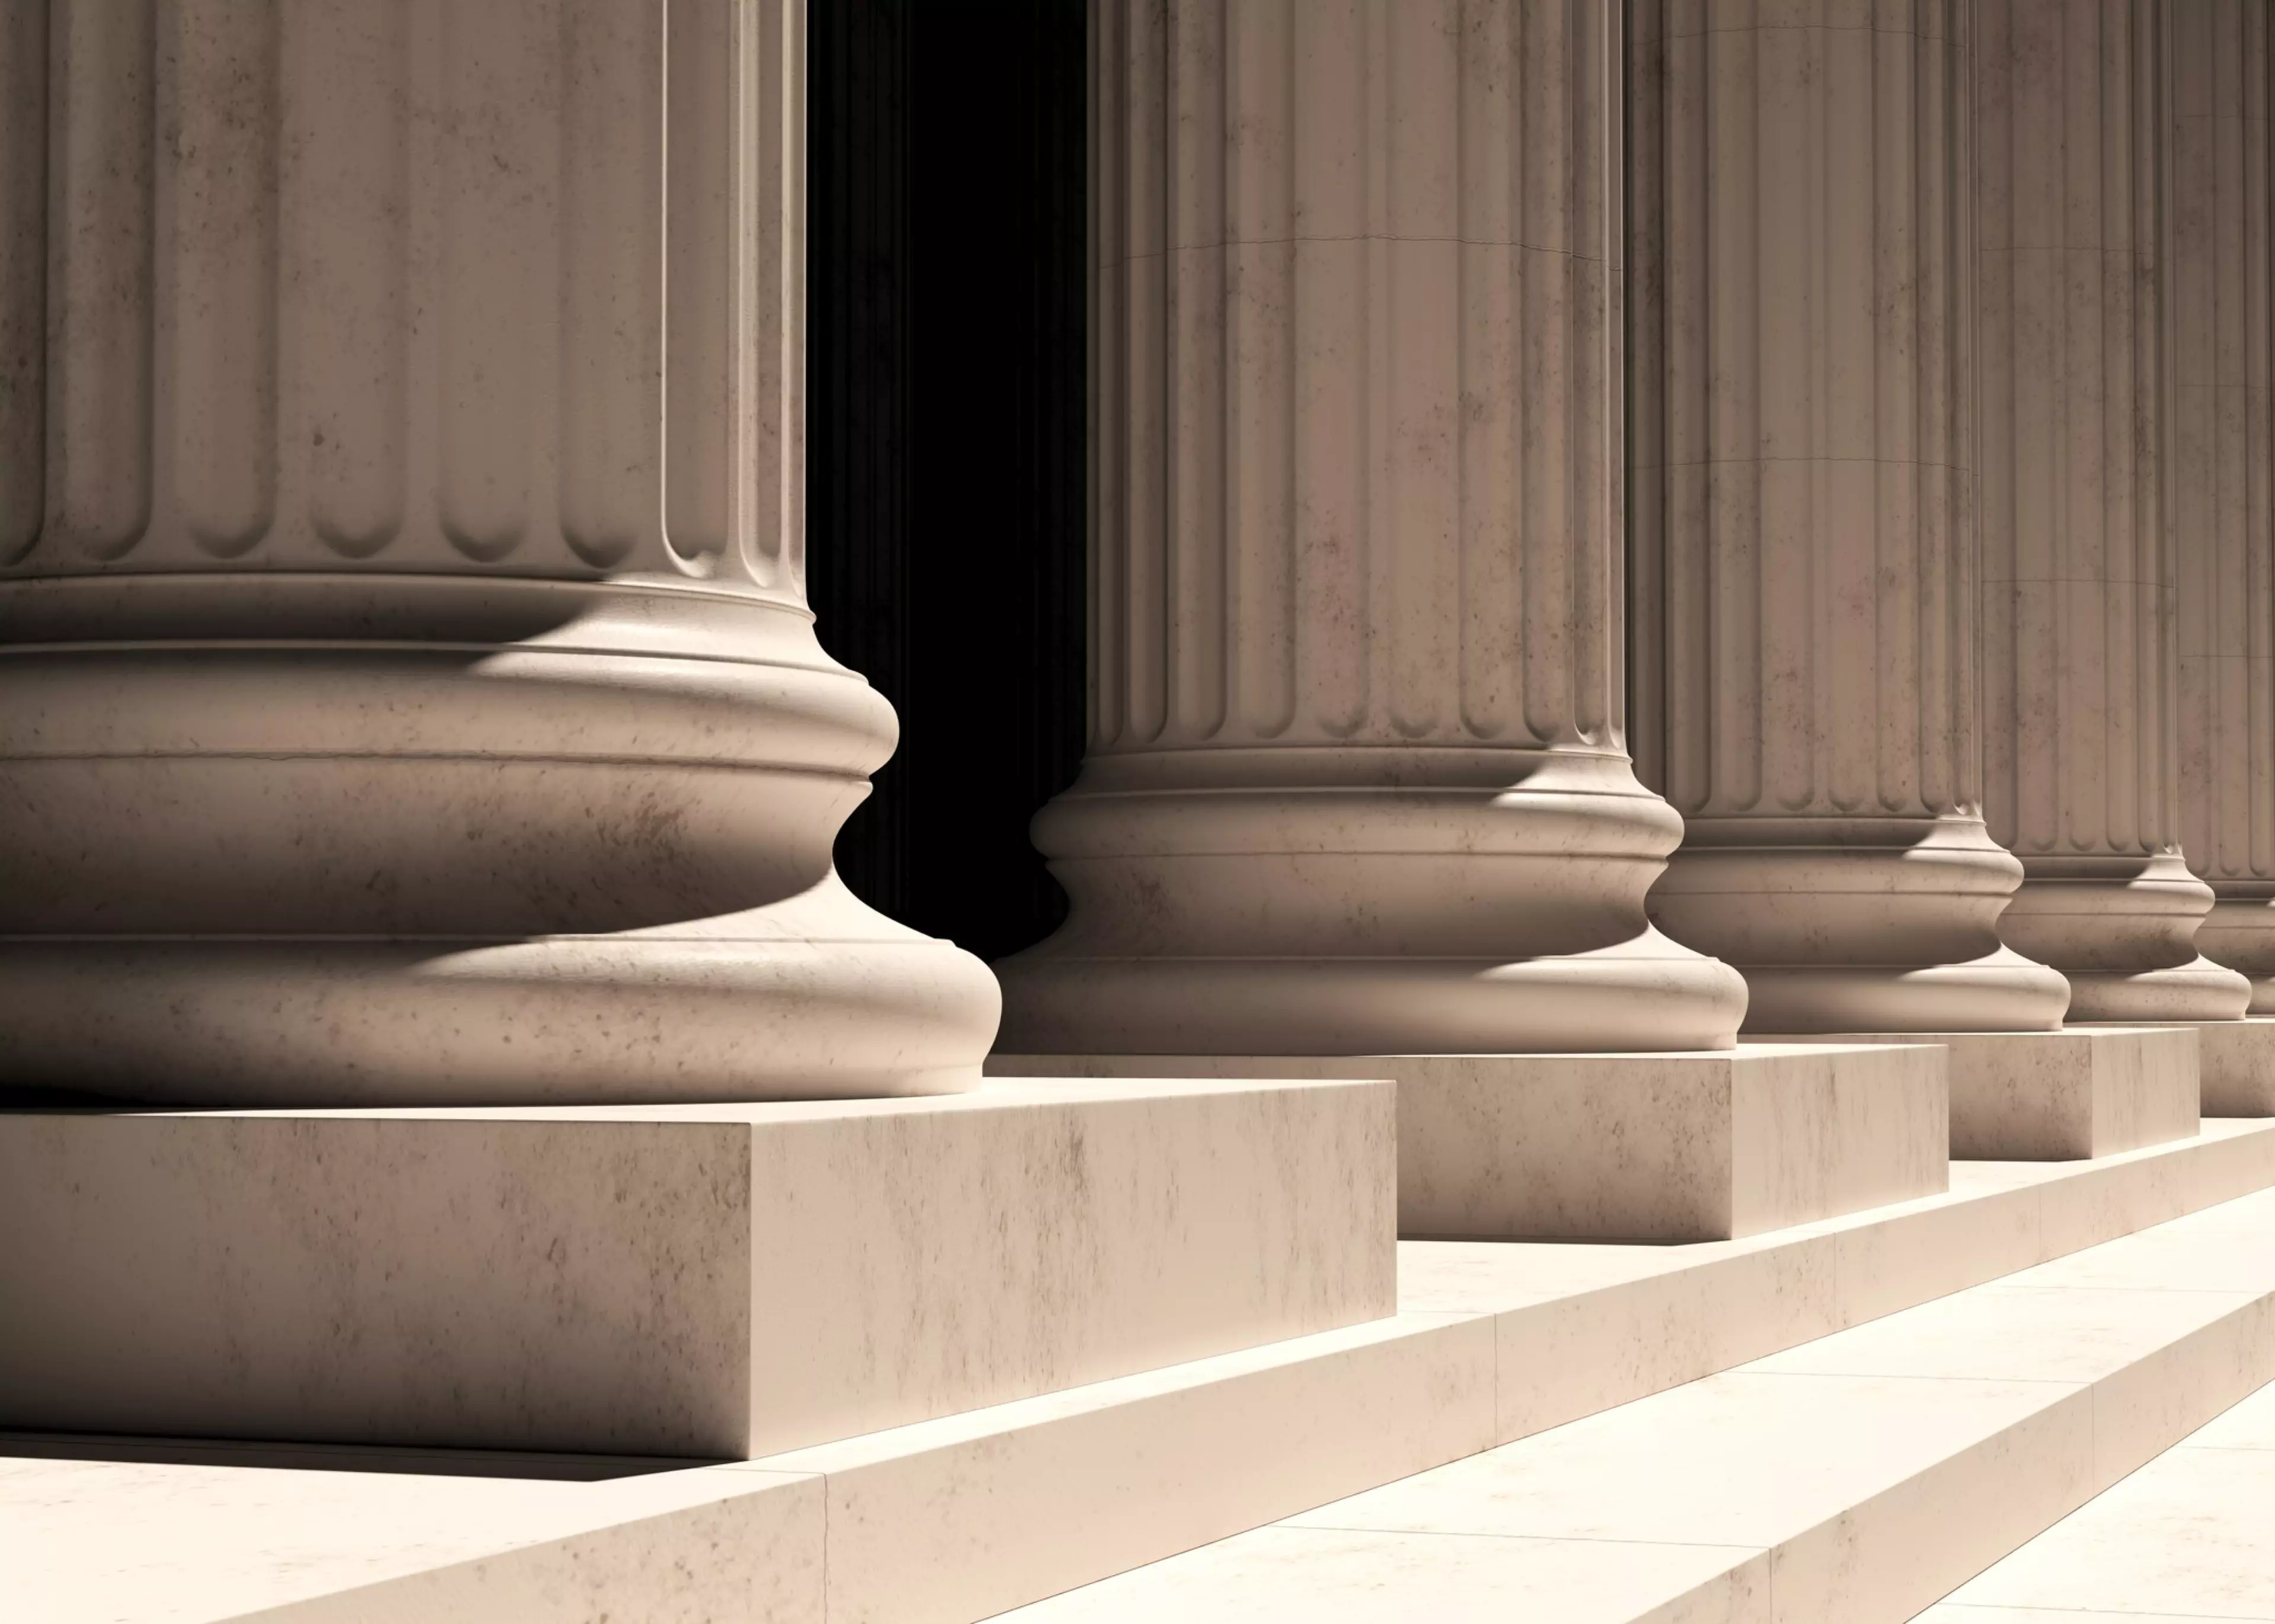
{"points": [[1804, 552], [1357, 778], [409, 693], [2078, 615]]}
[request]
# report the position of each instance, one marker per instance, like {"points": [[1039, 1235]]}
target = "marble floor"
{"points": [[1618, 1432], [2189, 1537]]}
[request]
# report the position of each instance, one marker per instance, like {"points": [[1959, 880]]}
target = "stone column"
{"points": [[2078, 585], [407, 692], [2223, 435], [1804, 553], [1358, 780]]}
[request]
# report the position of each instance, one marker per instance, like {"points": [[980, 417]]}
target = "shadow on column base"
{"points": [[637, 1018], [1643, 994], [2197, 991], [343, 840], [1999, 991], [2240, 932], [2123, 928], [1847, 924]]}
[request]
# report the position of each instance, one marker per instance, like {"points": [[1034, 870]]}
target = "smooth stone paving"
{"points": [[954, 1520], [2190, 1536], [1854, 1478]]}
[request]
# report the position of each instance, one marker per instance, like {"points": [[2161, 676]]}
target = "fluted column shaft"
{"points": [[1804, 551], [1358, 777], [2222, 399], [407, 686], [2078, 584]]}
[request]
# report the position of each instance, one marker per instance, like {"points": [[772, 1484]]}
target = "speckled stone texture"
{"points": [[1357, 778], [690, 1281], [407, 690], [2237, 1062], [2081, 662], [2221, 386], [1628, 1147], [1799, 448], [2083, 1092]]}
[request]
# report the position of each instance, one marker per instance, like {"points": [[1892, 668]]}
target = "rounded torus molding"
{"points": [[1331, 901], [1859, 925], [2240, 932], [2125, 931], [363, 839]]}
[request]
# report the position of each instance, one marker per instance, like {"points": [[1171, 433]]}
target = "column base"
{"points": [[2240, 932], [690, 1280], [1661, 993], [1697, 1146], [1859, 924], [1360, 899], [2060, 1096], [1995, 992], [2124, 930], [2237, 1062], [2197, 992], [737, 1008], [314, 841]]}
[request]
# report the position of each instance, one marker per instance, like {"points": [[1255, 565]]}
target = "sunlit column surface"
{"points": [[2080, 660], [2223, 439], [407, 691], [1357, 778], [1803, 547]]}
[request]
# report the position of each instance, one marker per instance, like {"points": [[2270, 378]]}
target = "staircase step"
{"points": [[2190, 1536], [956, 1519], [1857, 1478]]}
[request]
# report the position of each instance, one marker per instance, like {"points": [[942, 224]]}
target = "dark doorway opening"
{"points": [[945, 376]]}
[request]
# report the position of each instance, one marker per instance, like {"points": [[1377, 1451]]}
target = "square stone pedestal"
{"points": [[724, 1281], [1700, 1147], [2236, 1060], [2081, 1091]]}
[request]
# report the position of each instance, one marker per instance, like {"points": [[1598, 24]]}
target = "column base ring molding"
{"points": [[331, 841]]}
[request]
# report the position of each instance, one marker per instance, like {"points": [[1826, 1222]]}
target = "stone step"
{"points": [[2189, 1537], [1857, 1478], [956, 1519]]}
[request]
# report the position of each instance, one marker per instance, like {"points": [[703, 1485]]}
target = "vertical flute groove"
{"points": [[1797, 498], [2221, 398], [23, 277], [1376, 795], [2224, 443], [509, 288], [1351, 371], [2077, 580]]}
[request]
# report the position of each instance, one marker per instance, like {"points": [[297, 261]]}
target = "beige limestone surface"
{"points": [[407, 690], [2080, 1092], [2078, 584], [2238, 1067], [2187, 1537], [2221, 390], [1854, 1478], [1800, 443], [950, 1521], [1661, 1147], [2237, 1061], [691, 1280], [1357, 779]]}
